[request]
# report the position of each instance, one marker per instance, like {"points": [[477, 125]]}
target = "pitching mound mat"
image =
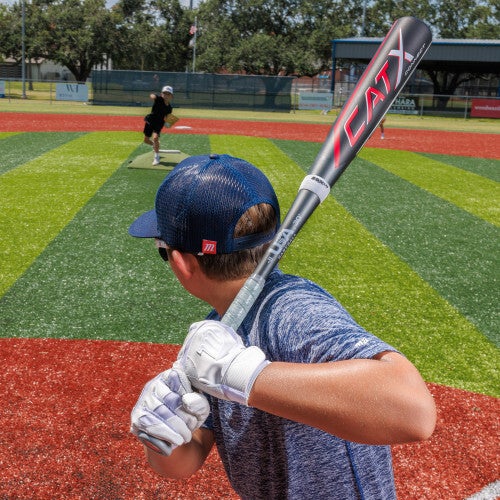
{"points": [[168, 160]]}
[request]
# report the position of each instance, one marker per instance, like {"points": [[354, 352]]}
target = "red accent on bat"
{"points": [[373, 96], [382, 74], [353, 136]]}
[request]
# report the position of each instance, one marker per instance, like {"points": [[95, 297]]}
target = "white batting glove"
{"points": [[168, 411], [216, 361]]}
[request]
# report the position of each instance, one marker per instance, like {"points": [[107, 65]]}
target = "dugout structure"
{"points": [[193, 90], [452, 55]]}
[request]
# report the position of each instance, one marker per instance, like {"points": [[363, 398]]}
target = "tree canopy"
{"points": [[271, 37]]}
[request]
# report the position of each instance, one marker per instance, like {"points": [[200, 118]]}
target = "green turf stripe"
{"points": [[94, 280], [481, 166], [380, 289], [41, 197], [466, 190], [454, 251], [21, 148]]}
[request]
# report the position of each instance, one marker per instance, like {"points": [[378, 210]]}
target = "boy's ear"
{"points": [[185, 263]]}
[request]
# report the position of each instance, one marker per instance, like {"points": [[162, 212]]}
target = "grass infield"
{"points": [[407, 242]]}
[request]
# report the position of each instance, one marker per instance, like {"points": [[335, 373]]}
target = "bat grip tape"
{"points": [[317, 185], [243, 301]]}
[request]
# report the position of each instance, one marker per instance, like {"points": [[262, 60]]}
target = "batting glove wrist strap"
{"points": [[216, 361]]}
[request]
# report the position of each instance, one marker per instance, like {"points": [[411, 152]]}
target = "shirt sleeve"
{"points": [[304, 323]]}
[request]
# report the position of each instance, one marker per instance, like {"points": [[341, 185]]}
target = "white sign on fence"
{"points": [[2, 88], [315, 100], [72, 92], [404, 106]]}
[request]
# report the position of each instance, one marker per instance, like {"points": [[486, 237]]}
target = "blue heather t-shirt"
{"points": [[269, 457]]}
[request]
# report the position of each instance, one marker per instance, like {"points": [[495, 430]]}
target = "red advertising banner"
{"points": [[485, 108]]}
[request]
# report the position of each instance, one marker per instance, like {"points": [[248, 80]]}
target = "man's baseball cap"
{"points": [[168, 89], [200, 202]]}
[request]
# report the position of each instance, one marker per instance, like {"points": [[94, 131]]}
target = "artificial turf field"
{"points": [[408, 242]]}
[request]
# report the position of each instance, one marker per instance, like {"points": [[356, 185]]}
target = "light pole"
{"points": [[23, 48], [194, 42], [363, 26]]}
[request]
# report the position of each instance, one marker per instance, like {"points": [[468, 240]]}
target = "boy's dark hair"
{"points": [[260, 218]]}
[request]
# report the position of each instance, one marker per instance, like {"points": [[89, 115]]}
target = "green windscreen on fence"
{"points": [[194, 90]]}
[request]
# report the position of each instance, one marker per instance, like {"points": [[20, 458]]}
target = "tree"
{"points": [[381, 14], [462, 19], [11, 34], [468, 19], [10, 44], [321, 22], [135, 46], [76, 34], [10, 31], [271, 37], [152, 36]]}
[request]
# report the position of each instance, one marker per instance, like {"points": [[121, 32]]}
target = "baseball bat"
{"points": [[387, 73]]}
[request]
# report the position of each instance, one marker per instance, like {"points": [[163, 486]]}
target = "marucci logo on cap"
{"points": [[208, 246]]}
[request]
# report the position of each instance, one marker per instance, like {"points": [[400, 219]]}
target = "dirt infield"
{"points": [[66, 403], [65, 418], [428, 141]]}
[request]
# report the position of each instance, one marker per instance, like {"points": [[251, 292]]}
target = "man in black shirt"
{"points": [[155, 120]]}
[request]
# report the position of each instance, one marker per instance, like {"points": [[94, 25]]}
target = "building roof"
{"points": [[454, 55]]}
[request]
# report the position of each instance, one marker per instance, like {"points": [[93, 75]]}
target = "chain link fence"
{"points": [[231, 92]]}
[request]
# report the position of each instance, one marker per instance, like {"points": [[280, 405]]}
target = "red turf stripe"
{"points": [[424, 141], [65, 417]]}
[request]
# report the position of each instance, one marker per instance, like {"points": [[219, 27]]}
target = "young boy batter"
{"points": [[301, 401]]}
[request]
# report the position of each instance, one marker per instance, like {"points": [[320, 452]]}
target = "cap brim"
{"points": [[145, 226]]}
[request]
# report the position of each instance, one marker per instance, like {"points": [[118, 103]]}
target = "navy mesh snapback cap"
{"points": [[200, 202]]}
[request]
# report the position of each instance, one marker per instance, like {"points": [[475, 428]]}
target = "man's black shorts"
{"points": [[152, 124]]}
